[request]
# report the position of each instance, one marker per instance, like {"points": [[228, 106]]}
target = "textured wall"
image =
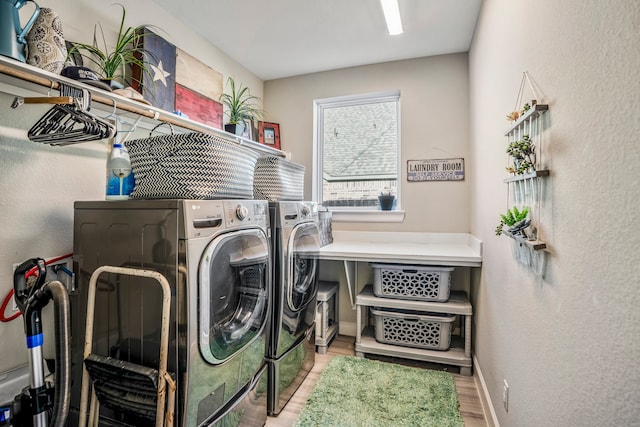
{"points": [[434, 124], [567, 345]]}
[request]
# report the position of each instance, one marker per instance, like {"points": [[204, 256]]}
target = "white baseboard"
{"points": [[485, 399], [347, 328]]}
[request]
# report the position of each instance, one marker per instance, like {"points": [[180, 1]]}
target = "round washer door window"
{"points": [[233, 299], [302, 266]]}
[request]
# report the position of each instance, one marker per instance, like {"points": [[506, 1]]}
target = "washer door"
{"points": [[302, 266], [233, 303]]}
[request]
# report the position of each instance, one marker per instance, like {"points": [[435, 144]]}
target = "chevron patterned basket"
{"points": [[276, 178], [191, 166]]}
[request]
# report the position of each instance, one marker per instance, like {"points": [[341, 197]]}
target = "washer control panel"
{"points": [[208, 217]]}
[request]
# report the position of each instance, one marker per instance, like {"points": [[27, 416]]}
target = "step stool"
{"points": [[326, 315]]}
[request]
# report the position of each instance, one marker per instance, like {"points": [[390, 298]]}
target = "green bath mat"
{"points": [[358, 392]]}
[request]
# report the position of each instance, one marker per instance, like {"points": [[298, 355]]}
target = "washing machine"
{"points": [[291, 348], [215, 255]]}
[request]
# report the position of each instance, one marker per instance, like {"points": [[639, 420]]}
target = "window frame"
{"points": [[354, 213]]}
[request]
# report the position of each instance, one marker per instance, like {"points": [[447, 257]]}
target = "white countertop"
{"points": [[456, 249]]}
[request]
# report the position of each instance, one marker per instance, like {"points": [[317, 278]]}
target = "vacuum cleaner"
{"points": [[42, 404]]}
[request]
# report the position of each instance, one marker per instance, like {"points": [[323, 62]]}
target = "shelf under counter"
{"points": [[458, 354], [457, 303], [454, 356]]}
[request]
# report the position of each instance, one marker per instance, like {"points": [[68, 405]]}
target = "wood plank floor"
{"points": [[468, 397]]}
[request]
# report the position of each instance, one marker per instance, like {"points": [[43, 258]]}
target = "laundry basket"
{"points": [[414, 282], [413, 329], [191, 166], [276, 179]]}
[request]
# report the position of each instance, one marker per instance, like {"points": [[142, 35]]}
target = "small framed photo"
{"points": [[269, 134]]}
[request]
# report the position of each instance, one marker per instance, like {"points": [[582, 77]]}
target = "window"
{"points": [[356, 150]]}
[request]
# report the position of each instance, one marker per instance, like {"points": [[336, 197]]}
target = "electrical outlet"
{"points": [[505, 395]]}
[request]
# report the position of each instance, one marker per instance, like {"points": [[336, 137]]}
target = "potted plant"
{"points": [[128, 51], [523, 154], [241, 107], [386, 200], [516, 220]]}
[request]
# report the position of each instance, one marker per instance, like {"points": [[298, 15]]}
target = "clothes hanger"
{"points": [[70, 123]]}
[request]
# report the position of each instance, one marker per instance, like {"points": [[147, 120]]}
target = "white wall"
{"points": [[434, 123], [568, 345], [39, 183]]}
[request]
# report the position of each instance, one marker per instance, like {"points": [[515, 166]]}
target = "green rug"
{"points": [[358, 392]]}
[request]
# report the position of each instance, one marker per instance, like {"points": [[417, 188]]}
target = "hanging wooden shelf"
{"points": [[530, 175], [533, 112], [536, 245]]}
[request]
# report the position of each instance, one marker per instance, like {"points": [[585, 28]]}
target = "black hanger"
{"points": [[70, 123]]}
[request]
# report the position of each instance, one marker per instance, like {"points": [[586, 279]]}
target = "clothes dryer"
{"points": [[291, 348], [215, 255]]}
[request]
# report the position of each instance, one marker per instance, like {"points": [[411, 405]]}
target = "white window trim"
{"points": [[354, 214]]}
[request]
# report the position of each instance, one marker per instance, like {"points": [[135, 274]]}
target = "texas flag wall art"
{"points": [[178, 82]]}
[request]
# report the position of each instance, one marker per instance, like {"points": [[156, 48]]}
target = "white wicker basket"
{"points": [[418, 283], [413, 329], [191, 166], [325, 227], [276, 179]]}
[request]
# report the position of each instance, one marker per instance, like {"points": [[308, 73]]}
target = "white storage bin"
{"points": [[275, 178], [413, 329], [416, 283]]}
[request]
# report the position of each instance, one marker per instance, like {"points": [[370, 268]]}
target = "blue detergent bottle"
{"points": [[120, 179]]}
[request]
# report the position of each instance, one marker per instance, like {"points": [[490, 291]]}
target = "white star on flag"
{"points": [[159, 74]]}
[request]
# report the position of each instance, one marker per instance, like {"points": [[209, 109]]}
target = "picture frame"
{"points": [[269, 134]]}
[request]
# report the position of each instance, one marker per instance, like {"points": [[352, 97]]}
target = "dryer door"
{"points": [[302, 266], [233, 300]]}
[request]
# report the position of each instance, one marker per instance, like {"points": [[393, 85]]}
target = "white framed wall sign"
{"points": [[435, 170]]}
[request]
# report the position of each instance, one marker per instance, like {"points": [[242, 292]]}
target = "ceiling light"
{"points": [[392, 16]]}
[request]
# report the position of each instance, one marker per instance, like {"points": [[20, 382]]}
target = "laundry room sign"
{"points": [[435, 170]]}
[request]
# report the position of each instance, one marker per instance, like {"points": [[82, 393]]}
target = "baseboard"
{"points": [[347, 328], [485, 399]]}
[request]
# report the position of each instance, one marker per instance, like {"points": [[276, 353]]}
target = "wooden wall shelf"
{"points": [[24, 80]]}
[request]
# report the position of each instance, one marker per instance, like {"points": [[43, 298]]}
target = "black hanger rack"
{"points": [[69, 120]]}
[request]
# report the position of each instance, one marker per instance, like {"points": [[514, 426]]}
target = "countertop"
{"points": [[456, 249]]}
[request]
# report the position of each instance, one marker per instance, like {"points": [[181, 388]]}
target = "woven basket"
{"points": [[191, 166], [276, 178]]}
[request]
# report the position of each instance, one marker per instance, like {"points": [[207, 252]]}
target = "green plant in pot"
{"points": [[241, 107], [523, 153], [516, 220], [128, 51], [386, 200]]}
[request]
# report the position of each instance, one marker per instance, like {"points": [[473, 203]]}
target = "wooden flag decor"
{"points": [[159, 87], [198, 107], [197, 88], [180, 82]]}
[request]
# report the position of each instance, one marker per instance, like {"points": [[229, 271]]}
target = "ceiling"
{"points": [[283, 38]]}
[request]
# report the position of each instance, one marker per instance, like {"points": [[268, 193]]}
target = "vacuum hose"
{"points": [[31, 298], [58, 292]]}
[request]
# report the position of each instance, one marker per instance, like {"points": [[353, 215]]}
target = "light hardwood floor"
{"points": [[468, 397]]}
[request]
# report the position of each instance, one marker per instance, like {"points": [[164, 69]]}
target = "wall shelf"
{"points": [[536, 245], [532, 113], [530, 175], [24, 80], [526, 190]]}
